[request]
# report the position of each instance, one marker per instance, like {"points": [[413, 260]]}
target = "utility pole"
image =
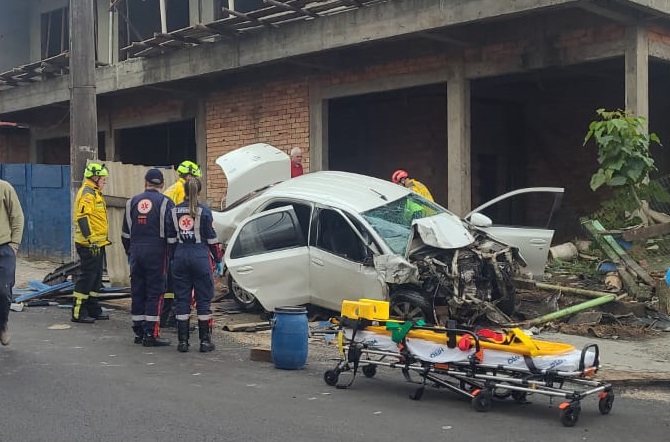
{"points": [[83, 111]]}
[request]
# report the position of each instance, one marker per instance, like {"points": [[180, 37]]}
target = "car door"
{"points": [[269, 258], [341, 264], [523, 218]]}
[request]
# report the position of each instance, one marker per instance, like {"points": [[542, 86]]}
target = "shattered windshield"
{"points": [[393, 221]]}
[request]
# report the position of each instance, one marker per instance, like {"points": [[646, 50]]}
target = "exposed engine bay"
{"points": [[470, 281]]}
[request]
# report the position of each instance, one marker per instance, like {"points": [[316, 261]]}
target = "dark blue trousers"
{"points": [[7, 275], [192, 271], [147, 281]]}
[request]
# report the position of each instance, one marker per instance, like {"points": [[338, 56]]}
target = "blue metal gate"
{"points": [[44, 192]]}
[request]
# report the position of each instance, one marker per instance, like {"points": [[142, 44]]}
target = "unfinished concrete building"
{"points": [[473, 97]]}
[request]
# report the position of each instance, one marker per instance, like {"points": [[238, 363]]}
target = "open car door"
{"points": [[269, 258], [522, 218]]}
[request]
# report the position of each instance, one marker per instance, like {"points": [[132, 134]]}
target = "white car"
{"points": [[329, 236]]}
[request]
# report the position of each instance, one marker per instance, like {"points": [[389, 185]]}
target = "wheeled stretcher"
{"points": [[480, 365]]}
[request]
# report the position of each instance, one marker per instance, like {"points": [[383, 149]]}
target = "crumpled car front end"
{"points": [[451, 265]]}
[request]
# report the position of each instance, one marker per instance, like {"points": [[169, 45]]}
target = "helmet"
{"points": [[399, 175], [95, 169], [189, 167]]}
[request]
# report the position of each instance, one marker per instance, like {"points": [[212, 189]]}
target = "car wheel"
{"points": [[507, 296], [244, 300], [410, 305]]}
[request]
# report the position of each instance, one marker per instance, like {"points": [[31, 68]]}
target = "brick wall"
{"points": [[14, 146], [275, 113]]}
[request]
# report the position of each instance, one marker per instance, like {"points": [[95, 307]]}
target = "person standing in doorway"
{"points": [[90, 238], [296, 162], [144, 238], [195, 244], [402, 178], [11, 232], [177, 193]]}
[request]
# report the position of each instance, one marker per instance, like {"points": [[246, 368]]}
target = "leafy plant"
{"points": [[623, 151]]}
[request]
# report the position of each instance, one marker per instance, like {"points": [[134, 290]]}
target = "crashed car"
{"points": [[328, 236]]}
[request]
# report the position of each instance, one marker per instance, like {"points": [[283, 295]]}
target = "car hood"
{"points": [[253, 167], [443, 231]]}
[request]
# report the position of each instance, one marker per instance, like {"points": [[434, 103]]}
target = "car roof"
{"points": [[355, 192]]}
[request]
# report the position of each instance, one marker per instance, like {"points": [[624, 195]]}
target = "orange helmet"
{"points": [[399, 175]]}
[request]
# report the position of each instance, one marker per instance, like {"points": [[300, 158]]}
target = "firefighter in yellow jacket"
{"points": [[402, 177], [91, 227], [177, 193]]}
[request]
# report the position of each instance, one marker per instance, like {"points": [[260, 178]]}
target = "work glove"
{"points": [[219, 269], [95, 249]]}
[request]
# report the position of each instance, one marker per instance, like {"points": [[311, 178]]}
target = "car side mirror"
{"points": [[480, 220]]}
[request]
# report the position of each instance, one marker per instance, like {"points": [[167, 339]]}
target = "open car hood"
{"points": [[443, 231], [253, 167]]}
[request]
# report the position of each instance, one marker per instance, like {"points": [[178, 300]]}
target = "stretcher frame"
{"points": [[471, 378]]}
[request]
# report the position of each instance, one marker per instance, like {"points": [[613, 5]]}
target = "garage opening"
{"points": [[375, 134], [159, 145]]}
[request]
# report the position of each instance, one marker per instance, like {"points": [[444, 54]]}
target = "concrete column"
{"points": [[318, 130], [637, 71], [201, 144], [458, 142]]}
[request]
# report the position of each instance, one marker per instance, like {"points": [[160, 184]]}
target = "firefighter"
{"points": [[402, 177], [144, 239], [90, 222], [195, 245], [176, 192]]}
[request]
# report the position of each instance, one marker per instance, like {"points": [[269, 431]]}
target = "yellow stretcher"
{"points": [[482, 365]]}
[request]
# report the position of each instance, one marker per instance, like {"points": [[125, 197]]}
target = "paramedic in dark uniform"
{"points": [[177, 193], [144, 239], [195, 245], [90, 238]]}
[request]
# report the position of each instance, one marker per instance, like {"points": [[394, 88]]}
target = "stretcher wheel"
{"points": [[330, 377], [570, 415], [605, 403], [519, 396], [369, 370], [418, 393], [482, 401]]}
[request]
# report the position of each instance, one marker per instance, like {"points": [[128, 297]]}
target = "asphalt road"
{"points": [[91, 383]]}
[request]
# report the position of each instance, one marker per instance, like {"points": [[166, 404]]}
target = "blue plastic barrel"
{"points": [[290, 332]]}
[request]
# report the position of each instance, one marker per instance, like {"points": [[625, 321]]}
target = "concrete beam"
{"points": [[662, 6], [551, 58], [659, 50], [637, 71], [364, 25], [459, 183]]}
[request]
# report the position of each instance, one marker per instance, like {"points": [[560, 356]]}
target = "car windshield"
{"points": [[393, 221]]}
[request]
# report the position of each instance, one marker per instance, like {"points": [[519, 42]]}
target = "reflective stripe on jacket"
{"points": [[90, 216]]}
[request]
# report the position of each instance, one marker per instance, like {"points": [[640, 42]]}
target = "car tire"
{"points": [[244, 300], [410, 305], [508, 304]]}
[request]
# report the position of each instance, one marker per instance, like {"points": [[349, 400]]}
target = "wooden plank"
{"points": [[646, 232], [248, 327], [627, 279], [629, 262]]}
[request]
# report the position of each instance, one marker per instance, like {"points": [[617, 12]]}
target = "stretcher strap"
{"points": [[399, 331]]}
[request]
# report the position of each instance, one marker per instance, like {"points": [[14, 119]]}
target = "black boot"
{"points": [[205, 331], [151, 336], [94, 308], [183, 335], [138, 329], [80, 309]]}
